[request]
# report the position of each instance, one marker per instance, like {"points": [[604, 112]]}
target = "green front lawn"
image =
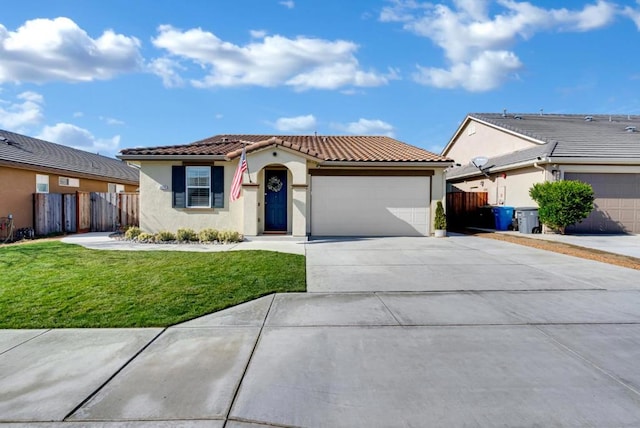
{"points": [[56, 285]]}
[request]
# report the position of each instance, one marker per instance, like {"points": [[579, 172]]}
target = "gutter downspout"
{"points": [[541, 168]]}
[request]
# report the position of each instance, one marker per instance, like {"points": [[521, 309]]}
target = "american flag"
{"points": [[236, 184]]}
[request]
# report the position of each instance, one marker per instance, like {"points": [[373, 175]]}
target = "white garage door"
{"points": [[370, 206]]}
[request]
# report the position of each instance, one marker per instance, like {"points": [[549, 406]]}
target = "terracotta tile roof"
{"points": [[23, 151], [325, 148]]}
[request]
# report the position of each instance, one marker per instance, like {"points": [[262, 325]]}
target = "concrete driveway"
{"points": [[456, 263], [468, 341]]}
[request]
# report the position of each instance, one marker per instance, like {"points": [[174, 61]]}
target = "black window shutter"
{"points": [[178, 186], [217, 186]]}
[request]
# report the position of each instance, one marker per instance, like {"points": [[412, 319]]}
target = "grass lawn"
{"points": [[56, 285]]}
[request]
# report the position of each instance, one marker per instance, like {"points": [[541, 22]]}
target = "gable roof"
{"points": [[322, 148], [20, 151], [560, 137]]}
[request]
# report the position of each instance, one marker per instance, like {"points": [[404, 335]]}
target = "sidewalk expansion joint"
{"points": [[579, 356], [26, 341], [246, 367], [99, 388]]}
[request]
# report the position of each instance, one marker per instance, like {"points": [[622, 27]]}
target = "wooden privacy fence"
{"points": [[464, 209], [84, 212]]}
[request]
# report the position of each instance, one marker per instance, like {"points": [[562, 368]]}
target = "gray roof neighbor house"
{"points": [[575, 138], [20, 151], [504, 155]]}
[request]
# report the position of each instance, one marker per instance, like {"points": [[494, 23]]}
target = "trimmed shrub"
{"points": [[184, 234], [562, 203], [132, 233], [208, 235], [165, 236], [146, 237], [229, 236]]}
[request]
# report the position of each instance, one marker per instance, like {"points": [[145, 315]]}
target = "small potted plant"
{"points": [[440, 221]]}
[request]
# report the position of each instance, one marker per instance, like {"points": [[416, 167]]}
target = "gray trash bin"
{"points": [[528, 220]]}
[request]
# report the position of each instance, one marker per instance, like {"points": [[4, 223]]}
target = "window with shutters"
{"points": [[198, 186]]}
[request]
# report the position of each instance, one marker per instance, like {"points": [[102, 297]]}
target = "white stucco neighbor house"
{"points": [[523, 149], [295, 185]]}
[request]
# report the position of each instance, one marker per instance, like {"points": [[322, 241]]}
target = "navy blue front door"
{"points": [[275, 201]]}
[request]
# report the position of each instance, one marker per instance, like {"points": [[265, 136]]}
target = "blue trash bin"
{"points": [[503, 217]]}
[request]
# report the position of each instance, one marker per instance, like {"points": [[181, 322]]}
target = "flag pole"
{"points": [[244, 143]]}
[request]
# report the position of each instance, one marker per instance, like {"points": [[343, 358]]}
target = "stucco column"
{"points": [[299, 211], [250, 209]]}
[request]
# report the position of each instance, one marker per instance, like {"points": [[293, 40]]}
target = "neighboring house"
{"points": [[296, 185], [29, 165], [523, 149]]}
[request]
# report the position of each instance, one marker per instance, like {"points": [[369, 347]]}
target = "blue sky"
{"points": [[106, 75]]}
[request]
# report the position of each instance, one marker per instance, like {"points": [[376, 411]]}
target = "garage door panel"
{"points": [[617, 203], [369, 206]]}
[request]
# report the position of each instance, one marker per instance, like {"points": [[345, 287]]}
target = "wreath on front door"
{"points": [[274, 184]]}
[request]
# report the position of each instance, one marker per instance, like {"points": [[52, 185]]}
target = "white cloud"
{"points": [[25, 112], [289, 4], [470, 37], [111, 121], [296, 124], [303, 63], [368, 127], [634, 14], [79, 138], [167, 70], [258, 34], [44, 50], [487, 71]]}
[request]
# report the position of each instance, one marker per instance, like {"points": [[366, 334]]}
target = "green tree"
{"points": [[562, 203]]}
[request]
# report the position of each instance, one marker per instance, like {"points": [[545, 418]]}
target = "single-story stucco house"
{"points": [[514, 151], [295, 185], [30, 165]]}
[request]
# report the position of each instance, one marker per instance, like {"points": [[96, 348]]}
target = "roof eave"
{"points": [[455, 135], [67, 172], [395, 164], [594, 160], [171, 157]]}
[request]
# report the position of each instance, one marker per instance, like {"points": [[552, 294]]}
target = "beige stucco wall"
{"points": [[296, 166], [478, 139], [512, 190], [620, 169], [156, 212], [245, 215]]}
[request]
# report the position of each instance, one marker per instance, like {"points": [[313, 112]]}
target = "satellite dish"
{"points": [[480, 161]]}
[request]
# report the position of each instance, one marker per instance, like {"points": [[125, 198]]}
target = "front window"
{"points": [[198, 186]]}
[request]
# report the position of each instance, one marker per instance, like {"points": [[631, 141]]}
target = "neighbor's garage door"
{"points": [[370, 205], [617, 203]]}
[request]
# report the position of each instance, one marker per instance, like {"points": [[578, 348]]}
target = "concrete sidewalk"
{"points": [[494, 358], [453, 332], [626, 245], [102, 241]]}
